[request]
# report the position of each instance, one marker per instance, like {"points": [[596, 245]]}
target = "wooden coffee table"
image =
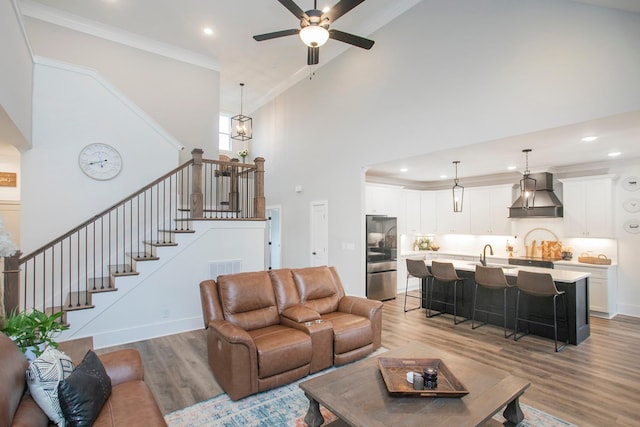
{"points": [[358, 396]]}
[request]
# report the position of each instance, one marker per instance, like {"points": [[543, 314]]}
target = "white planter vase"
{"points": [[31, 355]]}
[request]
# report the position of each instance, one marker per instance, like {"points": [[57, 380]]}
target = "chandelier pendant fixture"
{"points": [[241, 125], [527, 184], [458, 192]]}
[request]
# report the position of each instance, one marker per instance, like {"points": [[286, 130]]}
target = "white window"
{"points": [[224, 138]]}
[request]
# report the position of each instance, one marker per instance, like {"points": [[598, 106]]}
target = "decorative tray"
{"points": [[394, 372]]}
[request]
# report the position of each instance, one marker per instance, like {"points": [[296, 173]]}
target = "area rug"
{"points": [[286, 407]]}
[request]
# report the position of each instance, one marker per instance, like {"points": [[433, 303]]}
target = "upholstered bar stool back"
{"points": [[418, 269], [541, 285], [493, 279], [444, 273]]}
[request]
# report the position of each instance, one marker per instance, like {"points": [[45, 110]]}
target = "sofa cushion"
{"points": [[280, 349], [317, 288], [285, 288], [248, 300], [131, 404], [43, 376], [11, 378], [350, 331], [84, 392]]}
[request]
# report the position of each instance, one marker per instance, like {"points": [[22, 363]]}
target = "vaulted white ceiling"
{"points": [[267, 68]]}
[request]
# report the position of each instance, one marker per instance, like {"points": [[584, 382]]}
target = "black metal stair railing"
{"points": [[64, 273]]}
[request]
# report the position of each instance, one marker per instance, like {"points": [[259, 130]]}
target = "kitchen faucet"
{"points": [[483, 257]]}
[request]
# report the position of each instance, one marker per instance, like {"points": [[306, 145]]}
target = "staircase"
{"points": [[111, 249]]}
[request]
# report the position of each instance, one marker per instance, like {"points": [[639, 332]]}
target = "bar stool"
{"points": [[541, 285], [445, 273], [416, 268], [491, 278]]}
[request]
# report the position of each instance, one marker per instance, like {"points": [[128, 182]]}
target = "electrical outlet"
{"points": [[166, 313]]}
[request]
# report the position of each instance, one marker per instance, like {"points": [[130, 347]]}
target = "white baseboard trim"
{"points": [[145, 332]]}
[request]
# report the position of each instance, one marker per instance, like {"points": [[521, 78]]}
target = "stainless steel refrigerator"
{"points": [[382, 249]]}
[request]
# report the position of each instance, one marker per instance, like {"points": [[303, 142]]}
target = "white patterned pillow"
{"points": [[43, 376]]}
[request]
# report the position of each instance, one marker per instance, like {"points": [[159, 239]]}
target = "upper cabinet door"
{"points": [[588, 206], [449, 221], [490, 210], [382, 200]]}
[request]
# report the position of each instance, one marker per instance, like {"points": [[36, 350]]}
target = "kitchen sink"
{"points": [[504, 266]]}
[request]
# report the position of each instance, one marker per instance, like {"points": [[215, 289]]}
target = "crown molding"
{"points": [[67, 20]]}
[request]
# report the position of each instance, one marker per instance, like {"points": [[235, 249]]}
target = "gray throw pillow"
{"points": [[43, 376], [83, 393]]}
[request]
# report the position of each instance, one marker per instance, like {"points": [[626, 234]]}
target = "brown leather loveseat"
{"points": [[269, 328], [131, 402]]}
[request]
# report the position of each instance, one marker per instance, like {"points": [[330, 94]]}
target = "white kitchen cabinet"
{"points": [[410, 222], [489, 206], [602, 287], [449, 221], [382, 200], [428, 212], [588, 206]]}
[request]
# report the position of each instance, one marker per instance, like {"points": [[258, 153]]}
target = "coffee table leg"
{"points": [[512, 413], [313, 418]]}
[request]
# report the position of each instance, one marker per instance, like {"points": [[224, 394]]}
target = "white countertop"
{"points": [[496, 259], [512, 270]]}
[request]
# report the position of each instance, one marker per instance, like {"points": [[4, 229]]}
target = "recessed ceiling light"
{"points": [[208, 31], [404, 169], [614, 154], [443, 176], [589, 138], [512, 168]]}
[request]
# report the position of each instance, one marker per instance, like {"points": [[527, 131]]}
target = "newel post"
{"points": [[196, 184], [258, 182], [11, 283]]}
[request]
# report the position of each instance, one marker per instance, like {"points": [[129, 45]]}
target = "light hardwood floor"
{"points": [[594, 384]]}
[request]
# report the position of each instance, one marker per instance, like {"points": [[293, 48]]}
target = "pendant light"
{"points": [[527, 184], [458, 192], [241, 125]]}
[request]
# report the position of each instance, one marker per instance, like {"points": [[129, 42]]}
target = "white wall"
{"points": [[183, 98], [443, 74], [16, 70], [165, 298], [75, 107]]}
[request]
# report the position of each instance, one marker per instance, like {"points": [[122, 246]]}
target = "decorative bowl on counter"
{"points": [[434, 247]]}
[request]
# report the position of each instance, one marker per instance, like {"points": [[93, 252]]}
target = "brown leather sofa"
{"points": [[266, 329], [131, 402]]}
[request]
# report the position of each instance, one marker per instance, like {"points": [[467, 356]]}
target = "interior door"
{"points": [[319, 233]]}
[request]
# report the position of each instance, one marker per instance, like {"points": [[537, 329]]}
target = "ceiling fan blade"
{"points": [[340, 9], [313, 55], [275, 35], [293, 8], [351, 39]]}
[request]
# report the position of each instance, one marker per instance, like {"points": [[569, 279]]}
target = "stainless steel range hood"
{"points": [[546, 205]]}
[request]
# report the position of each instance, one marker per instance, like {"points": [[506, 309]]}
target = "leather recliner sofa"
{"points": [[131, 402], [267, 329]]}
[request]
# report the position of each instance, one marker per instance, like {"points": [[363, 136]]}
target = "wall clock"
{"points": [[100, 161]]}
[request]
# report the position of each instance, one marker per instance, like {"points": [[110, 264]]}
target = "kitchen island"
{"points": [[573, 283]]}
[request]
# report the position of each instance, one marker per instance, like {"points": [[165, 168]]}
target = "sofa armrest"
{"points": [[233, 358], [360, 306], [300, 313], [123, 366]]}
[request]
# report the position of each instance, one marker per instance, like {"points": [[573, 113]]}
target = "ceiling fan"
{"points": [[314, 28]]}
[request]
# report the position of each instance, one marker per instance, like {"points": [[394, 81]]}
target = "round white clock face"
{"points": [[100, 161]]}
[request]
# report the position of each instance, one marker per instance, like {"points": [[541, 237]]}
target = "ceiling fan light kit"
{"points": [[314, 28], [241, 125]]}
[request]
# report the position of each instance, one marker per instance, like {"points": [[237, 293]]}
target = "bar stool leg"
{"points": [[475, 301]]}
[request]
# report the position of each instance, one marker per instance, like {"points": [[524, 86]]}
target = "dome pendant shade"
{"points": [[314, 35]]}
